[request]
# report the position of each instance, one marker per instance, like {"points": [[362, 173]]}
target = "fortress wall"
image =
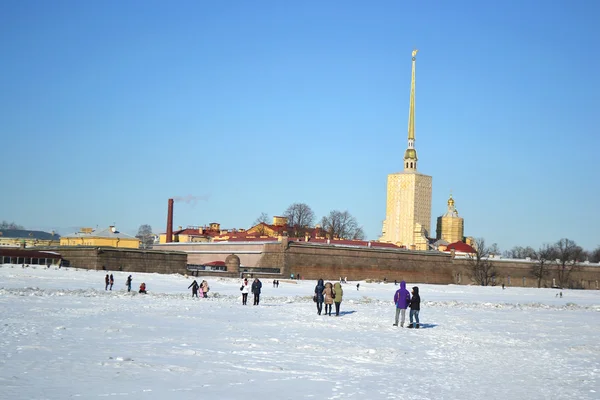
{"points": [[200, 253], [333, 262], [132, 260]]}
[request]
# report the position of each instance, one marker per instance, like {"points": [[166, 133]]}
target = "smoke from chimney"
{"points": [[169, 238], [189, 199]]}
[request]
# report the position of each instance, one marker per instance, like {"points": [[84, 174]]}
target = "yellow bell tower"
{"points": [[408, 207]]}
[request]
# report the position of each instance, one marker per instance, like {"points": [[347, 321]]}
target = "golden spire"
{"points": [[411, 111], [410, 155]]}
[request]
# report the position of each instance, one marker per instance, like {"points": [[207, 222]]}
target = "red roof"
{"points": [[460, 247], [215, 263]]}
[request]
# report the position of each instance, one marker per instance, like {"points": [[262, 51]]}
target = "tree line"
{"points": [[301, 220], [10, 225], [562, 257]]}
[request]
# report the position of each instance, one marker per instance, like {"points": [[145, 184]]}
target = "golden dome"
{"points": [[450, 201], [410, 154]]}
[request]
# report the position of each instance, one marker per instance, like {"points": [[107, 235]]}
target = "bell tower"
{"points": [[408, 206]]}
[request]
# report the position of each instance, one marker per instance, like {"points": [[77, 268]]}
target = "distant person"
{"points": [[277, 283], [256, 287], [128, 283], [245, 290], [395, 282], [329, 295], [357, 286], [319, 295], [106, 282], [194, 287], [205, 289], [561, 295], [112, 281], [402, 300], [274, 283], [292, 276], [503, 286], [415, 307], [339, 293], [143, 288]]}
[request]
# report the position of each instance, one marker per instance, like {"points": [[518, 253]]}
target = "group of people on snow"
{"points": [[403, 300], [328, 294], [109, 281], [201, 288], [254, 288]]}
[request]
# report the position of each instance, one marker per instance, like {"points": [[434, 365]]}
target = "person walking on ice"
{"points": [[339, 293], [106, 282], [194, 287], [402, 300], [245, 290], [112, 281], [256, 286], [415, 307], [128, 283]]}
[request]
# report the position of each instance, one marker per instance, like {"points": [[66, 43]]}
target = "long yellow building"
{"points": [[109, 237]]}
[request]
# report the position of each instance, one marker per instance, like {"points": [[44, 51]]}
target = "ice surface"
{"points": [[63, 336]]}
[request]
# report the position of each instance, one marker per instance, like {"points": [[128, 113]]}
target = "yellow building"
{"points": [[26, 238], [408, 206], [109, 237], [450, 227], [276, 229]]}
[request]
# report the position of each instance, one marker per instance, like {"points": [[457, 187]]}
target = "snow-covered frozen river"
{"points": [[63, 336]]}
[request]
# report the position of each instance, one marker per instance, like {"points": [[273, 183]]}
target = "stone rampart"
{"points": [[131, 260]]}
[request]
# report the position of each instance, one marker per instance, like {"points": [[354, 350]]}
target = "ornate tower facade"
{"points": [[450, 227], [408, 207]]}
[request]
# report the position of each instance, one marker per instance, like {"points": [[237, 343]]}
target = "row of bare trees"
{"points": [[563, 258], [10, 225], [301, 220]]}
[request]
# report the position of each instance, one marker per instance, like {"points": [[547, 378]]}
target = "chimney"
{"points": [[169, 238]]}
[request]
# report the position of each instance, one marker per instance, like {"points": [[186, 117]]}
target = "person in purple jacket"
{"points": [[402, 300]]}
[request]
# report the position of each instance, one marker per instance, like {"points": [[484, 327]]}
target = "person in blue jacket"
{"points": [[319, 295], [402, 300], [256, 286]]}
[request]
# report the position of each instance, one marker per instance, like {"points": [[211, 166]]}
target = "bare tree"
{"points": [[300, 218], [568, 254], [595, 255], [261, 221], [341, 224], [520, 252], [483, 271], [545, 257], [10, 225], [146, 237]]}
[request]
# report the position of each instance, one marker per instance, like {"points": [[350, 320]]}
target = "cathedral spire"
{"points": [[410, 155]]}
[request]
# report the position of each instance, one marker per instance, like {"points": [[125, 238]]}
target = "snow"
{"points": [[63, 336]]}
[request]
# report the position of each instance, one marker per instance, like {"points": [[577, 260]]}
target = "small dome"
{"points": [[450, 201], [410, 154]]}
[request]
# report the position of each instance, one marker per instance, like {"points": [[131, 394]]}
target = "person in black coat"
{"points": [[319, 295], [415, 307], [256, 286], [194, 287]]}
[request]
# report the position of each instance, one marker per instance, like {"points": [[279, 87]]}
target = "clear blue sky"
{"points": [[108, 108]]}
